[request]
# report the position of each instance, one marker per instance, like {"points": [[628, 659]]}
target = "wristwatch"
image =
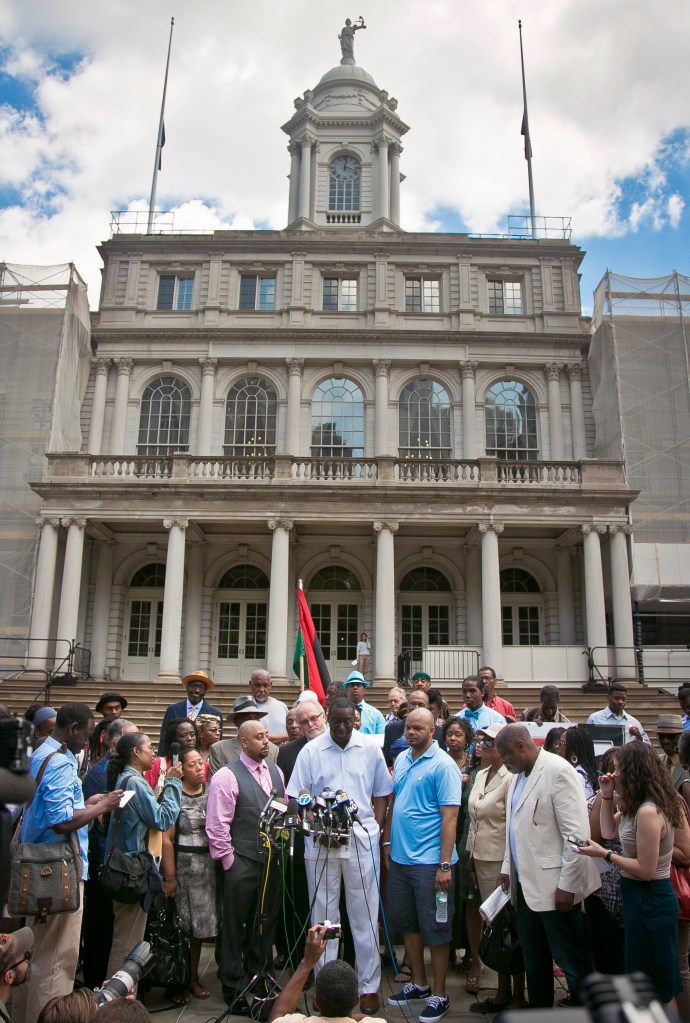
{"points": [[444, 866], [609, 856]]}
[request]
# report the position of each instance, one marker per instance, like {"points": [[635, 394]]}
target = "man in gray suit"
{"points": [[223, 752]]}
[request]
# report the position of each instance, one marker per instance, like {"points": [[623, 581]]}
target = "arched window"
{"points": [[344, 188], [244, 577], [334, 578], [337, 420], [424, 411], [425, 580], [250, 419], [511, 421], [164, 417], [521, 608], [149, 576]]}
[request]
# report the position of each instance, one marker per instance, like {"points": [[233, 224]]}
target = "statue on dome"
{"points": [[347, 40]]}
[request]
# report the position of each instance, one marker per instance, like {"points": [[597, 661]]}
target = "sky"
{"points": [[608, 85]]}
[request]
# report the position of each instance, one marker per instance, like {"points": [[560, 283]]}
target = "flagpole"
{"points": [[161, 133], [301, 659], [528, 144]]}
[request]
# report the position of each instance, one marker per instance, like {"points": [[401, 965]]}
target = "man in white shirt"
{"points": [[276, 711], [615, 714], [343, 759]]}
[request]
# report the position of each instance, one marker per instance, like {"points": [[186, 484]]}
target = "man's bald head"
{"points": [[419, 730], [254, 738], [417, 698], [422, 714], [516, 748]]}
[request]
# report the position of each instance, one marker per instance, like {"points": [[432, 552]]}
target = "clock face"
{"points": [[345, 168]]}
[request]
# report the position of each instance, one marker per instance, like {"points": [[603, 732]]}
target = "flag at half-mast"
{"points": [[309, 663]]}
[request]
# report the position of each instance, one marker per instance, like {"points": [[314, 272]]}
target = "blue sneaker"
{"points": [[410, 993], [436, 1008]]}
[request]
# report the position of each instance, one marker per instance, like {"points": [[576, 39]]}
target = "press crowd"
{"points": [[446, 806]]}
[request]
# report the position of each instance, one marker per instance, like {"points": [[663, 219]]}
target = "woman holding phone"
{"points": [[647, 813]]}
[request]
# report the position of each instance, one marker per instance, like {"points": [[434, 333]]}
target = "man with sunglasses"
{"points": [[15, 964]]}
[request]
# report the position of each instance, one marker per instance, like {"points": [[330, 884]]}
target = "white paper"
{"points": [[125, 798], [490, 909]]}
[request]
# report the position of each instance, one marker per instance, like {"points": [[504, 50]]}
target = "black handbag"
{"points": [[125, 876], [500, 948], [172, 964]]}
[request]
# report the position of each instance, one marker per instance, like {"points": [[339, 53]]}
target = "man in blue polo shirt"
{"points": [[419, 847]]}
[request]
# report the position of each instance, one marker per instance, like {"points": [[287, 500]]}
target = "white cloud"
{"points": [[605, 88]]}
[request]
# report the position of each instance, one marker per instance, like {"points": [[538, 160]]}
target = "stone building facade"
{"points": [[401, 420]]}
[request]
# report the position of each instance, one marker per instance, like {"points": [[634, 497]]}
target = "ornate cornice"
{"points": [[295, 367], [180, 523], [552, 371], [381, 367], [208, 367], [496, 527], [286, 524], [594, 527], [390, 526], [574, 371], [124, 367]]}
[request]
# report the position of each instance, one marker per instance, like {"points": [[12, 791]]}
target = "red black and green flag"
{"points": [[309, 663]]}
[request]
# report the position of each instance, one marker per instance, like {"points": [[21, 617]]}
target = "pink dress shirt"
{"points": [[222, 799]]}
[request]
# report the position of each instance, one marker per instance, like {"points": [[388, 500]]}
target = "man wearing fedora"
{"points": [[226, 750], [373, 721], [669, 728], [111, 705], [197, 685]]}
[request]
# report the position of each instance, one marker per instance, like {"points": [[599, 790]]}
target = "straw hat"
{"points": [[198, 676]]}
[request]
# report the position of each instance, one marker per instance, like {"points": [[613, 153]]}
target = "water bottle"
{"points": [[441, 907]]}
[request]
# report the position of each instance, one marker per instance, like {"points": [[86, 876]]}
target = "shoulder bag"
{"points": [[45, 877], [680, 879], [125, 876], [172, 966]]}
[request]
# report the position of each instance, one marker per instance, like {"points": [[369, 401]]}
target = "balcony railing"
{"points": [[285, 470]]}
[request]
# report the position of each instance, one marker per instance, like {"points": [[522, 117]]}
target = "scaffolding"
{"points": [[640, 371], [45, 353]]}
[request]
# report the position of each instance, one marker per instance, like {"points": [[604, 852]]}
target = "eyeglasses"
{"points": [[26, 958], [488, 743]]}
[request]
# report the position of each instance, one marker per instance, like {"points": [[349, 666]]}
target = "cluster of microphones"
{"points": [[332, 814]]}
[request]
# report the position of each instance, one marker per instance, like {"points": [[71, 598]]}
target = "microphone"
{"points": [[304, 803], [348, 807], [175, 751], [273, 793], [292, 821]]}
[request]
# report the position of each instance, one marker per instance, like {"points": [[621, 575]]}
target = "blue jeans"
{"points": [[552, 937]]}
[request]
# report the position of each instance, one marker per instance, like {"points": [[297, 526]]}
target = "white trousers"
{"points": [[362, 900]]}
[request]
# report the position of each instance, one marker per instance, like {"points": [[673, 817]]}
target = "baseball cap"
{"points": [[13, 947]]}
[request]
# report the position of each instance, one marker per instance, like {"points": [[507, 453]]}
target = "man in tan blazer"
{"points": [[548, 879]]}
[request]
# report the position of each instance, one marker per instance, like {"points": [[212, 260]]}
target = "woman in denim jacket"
{"points": [[133, 756]]}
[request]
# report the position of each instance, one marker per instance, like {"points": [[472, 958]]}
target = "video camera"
{"points": [[627, 999]]}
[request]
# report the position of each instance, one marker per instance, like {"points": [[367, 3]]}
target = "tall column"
{"points": [[553, 376], [101, 609], [305, 179], [117, 433], [566, 597], [622, 609], [172, 599], [208, 379], [294, 151], [98, 406], [276, 654], [384, 173], [395, 151], [469, 412], [68, 615], [492, 635], [473, 595], [294, 399], [191, 652], [384, 608], [594, 592], [44, 587], [381, 367], [577, 412]]}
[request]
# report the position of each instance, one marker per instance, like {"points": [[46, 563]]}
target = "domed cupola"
{"points": [[345, 150]]}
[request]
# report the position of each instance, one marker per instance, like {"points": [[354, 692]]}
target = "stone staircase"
{"points": [[148, 700]]}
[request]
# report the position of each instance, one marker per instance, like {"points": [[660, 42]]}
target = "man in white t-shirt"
{"points": [[260, 687]]}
